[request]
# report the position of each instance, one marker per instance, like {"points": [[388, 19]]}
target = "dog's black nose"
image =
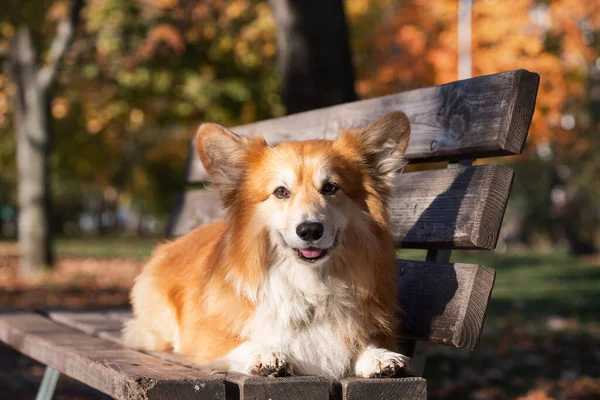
{"points": [[309, 230]]}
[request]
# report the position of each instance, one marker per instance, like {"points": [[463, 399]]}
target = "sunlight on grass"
{"points": [[107, 247]]}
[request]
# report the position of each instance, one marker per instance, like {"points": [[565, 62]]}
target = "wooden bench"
{"points": [[458, 207]]}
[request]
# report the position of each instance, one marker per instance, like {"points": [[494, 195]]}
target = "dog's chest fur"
{"points": [[308, 315]]}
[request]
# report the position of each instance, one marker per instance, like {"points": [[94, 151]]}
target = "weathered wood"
{"points": [[238, 386], [444, 303], [106, 324], [450, 208], [384, 389], [474, 118], [249, 387], [119, 372]]}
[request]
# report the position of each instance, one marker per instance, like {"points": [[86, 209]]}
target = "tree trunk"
{"points": [[314, 55], [30, 104]]}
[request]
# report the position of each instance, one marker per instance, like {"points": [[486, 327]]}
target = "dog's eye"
{"points": [[281, 193], [329, 188]]}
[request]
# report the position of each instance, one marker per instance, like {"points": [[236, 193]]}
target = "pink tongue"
{"points": [[311, 253]]}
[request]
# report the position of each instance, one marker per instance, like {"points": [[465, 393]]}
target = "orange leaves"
{"points": [[536, 395], [412, 38], [160, 34], [415, 45]]}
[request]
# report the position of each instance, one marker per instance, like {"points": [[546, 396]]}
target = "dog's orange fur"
{"points": [[185, 290]]}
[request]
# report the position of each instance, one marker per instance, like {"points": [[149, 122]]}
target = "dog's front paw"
{"points": [[271, 364], [380, 363]]}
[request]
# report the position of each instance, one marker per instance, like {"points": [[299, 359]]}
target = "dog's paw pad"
{"points": [[271, 364], [379, 363]]}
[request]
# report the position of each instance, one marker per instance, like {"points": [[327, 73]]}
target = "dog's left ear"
{"points": [[384, 142]]}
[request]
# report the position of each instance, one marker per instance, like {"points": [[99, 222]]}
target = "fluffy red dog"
{"points": [[300, 278]]}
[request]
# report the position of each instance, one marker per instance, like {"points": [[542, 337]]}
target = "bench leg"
{"points": [[46, 390]]}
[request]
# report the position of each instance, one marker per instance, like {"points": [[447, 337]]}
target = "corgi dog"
{"points": [[300, 277]]}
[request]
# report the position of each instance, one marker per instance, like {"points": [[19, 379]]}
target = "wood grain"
{"points": [[119, 372], [249, 387], [102, 323], [384, 389], [449, 209], [474, 118], [443, 303], [459, 208]]}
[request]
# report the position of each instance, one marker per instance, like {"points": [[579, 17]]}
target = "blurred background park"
{"points": [[99, 99]]}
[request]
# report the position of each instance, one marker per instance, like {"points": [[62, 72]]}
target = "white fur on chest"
{"points": [[303, 313]]}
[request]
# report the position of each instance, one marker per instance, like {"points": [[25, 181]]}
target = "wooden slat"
{"points": [[249, 387], [238, 386], [255, 387], [119, 372], [474, 118], [375, 389], [458, 208], [444, 303], [450, 208]]}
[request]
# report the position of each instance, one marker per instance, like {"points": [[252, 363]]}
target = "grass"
{"points": [[107, 247], [538, 284], [542, 285]]}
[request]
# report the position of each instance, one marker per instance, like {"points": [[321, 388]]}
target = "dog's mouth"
{"points": [[311, 254]]}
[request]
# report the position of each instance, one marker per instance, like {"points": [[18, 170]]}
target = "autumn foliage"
{"points": [[416, 45]]}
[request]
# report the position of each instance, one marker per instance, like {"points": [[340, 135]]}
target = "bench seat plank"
{"points": [[255, 387], [119, 372], [479, 117], [384, 389], [238, 386], [448, 209]]}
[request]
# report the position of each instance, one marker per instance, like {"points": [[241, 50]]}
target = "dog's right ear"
{"points": [[223, 154]]}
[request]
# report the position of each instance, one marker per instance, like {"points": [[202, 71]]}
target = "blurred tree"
{"points": [[315, 61], [31, 99], [135, 83], [157, 69]]}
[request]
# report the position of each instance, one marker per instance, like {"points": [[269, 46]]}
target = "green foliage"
{"points": [[140, 76]]}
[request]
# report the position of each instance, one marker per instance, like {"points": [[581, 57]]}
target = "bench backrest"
{"points": [[459, 207]]}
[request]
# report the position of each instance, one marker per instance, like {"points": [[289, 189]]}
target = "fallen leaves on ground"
{"points": [[74, 282]]}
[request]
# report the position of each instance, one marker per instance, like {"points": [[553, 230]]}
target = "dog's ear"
{"points": [[223, 154], [384, 142]]}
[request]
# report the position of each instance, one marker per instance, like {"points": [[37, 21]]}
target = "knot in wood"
{"points": [[433, 145], [457, 126]]}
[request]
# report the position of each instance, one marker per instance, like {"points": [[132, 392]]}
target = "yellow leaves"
{"points": [[93, 126], [60, 107], [269, 49], [6, 29], [235, 9], [356, 8], [58, 11], [136, 118], [209, 32]]}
